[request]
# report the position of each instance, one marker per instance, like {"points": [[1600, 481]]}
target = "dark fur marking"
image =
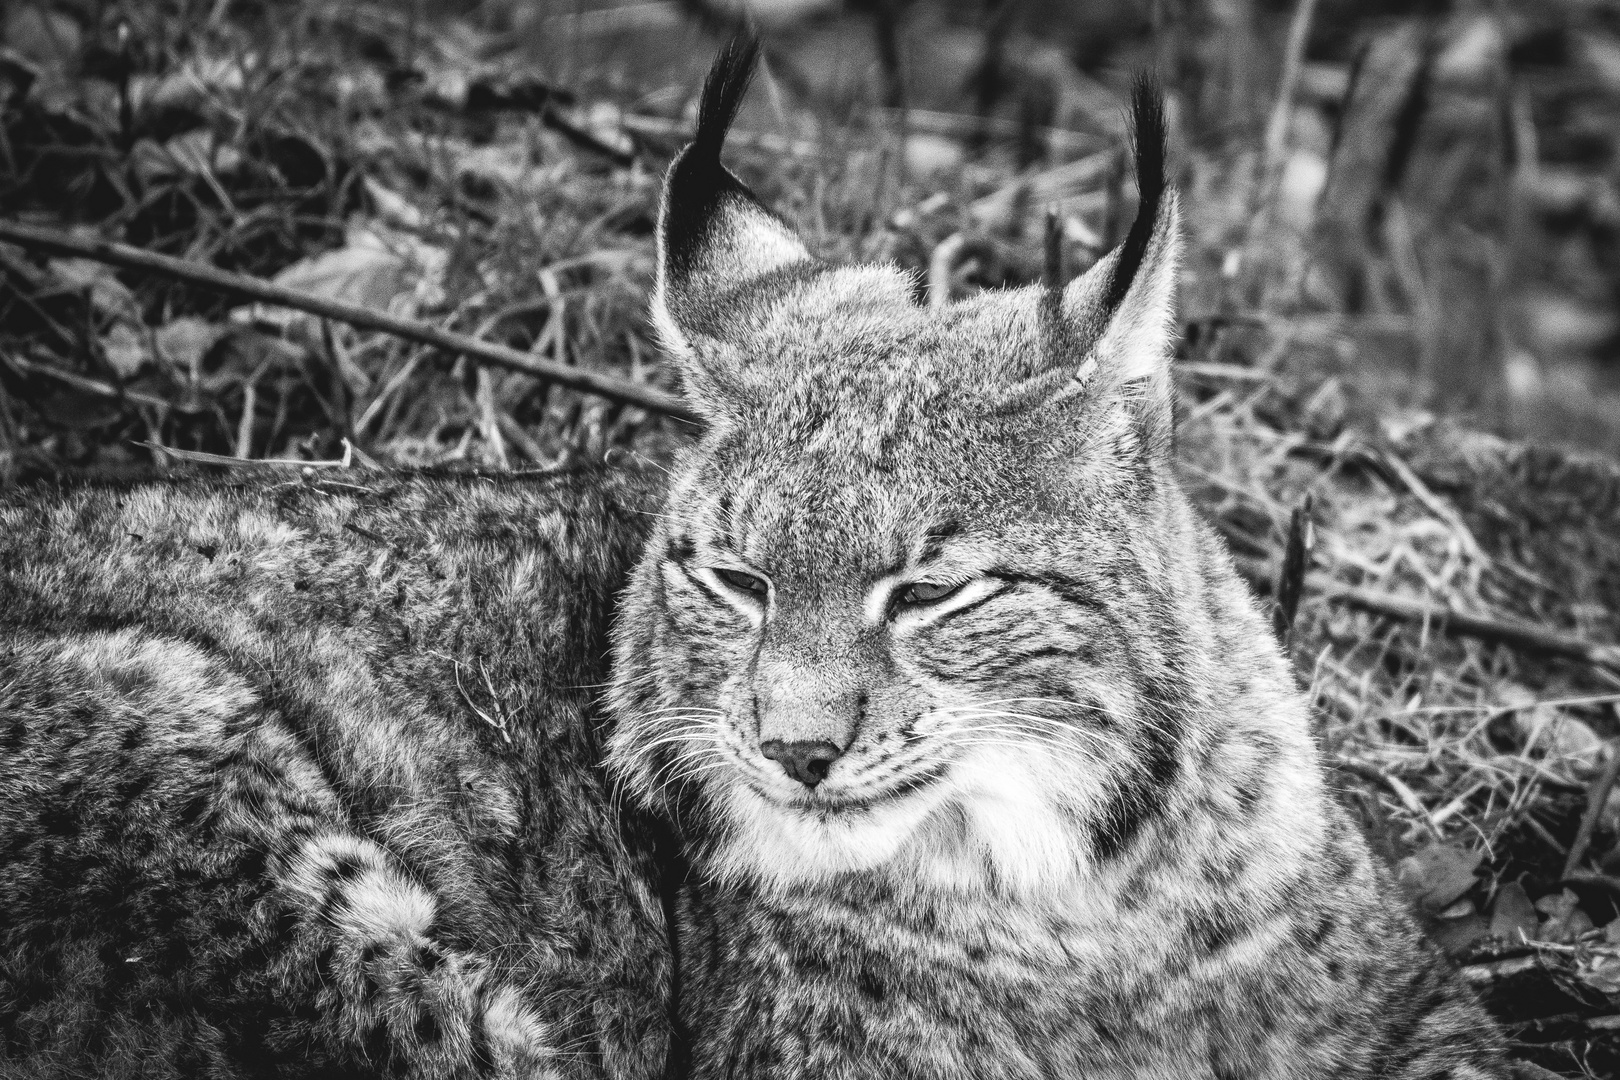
{"points": [[1067, 589], [1140, 798], [1216, 930], [934, 539], [681, 548], [1310, 938], [1147, 122], [698, 184]]}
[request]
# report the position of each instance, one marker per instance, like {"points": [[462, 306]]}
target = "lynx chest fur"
{"points": [[984, 760]]}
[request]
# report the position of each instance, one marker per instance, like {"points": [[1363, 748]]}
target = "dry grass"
{"points": [[499, 178]]}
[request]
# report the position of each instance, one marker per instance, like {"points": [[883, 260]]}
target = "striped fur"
{"points": [[301, 780], [1069, 819]]}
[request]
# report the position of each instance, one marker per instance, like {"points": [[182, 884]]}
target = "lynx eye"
{"points": [[742, 581], [926, 592]]}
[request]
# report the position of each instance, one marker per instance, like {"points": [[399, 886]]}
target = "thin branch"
{"points": [[1282, 110], [1520, 635], [1596, 798], [590, 382], [1497, 971], [940, 265], [84, 384]]}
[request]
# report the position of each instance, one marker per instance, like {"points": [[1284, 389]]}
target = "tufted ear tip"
{"points": [[714, 236], [1124, 306], [723, 91], [1148, 143], [698, 184], [1114, 328]]}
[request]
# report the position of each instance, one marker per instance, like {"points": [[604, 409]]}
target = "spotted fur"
{"points": [[986, 762], [301, 780]]}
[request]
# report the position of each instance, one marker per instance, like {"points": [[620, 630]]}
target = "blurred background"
{"points": [[1413, 204], [1400, 310]]}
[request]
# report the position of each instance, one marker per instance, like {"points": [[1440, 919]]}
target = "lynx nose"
{"points": [[806, 762]]}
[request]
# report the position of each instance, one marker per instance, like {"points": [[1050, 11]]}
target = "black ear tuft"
{"points": [[1147, 122], [698, 184], [723, 93]]}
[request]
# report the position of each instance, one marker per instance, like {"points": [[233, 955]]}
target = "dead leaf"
{"points": [[111, 298], [1513, 916], [1437, 875], [1600, 971], [125, 349], [1549, 732], [1459, 909], [928, 154], [51, 39], [199, 83], [1565, 919], [243, 356], [1325, 412], [1456, 936], [195, 153], [185, 341], [377, 268], [391, 206], [1528, 1070]]}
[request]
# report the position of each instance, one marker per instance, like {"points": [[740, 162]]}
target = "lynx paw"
{"points": [[393, 990]]}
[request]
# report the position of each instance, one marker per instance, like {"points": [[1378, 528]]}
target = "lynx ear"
{"points": [[1124, 306], [714, 238]]}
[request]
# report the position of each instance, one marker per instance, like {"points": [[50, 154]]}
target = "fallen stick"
{"points": [[1482, 975], [1597, 798], [251, 288], [1519, 635]]}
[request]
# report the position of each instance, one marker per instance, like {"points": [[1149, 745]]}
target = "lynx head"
{"points": [[915, 604]]}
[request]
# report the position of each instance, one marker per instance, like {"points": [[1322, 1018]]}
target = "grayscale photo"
{"points": [[809, 539]]}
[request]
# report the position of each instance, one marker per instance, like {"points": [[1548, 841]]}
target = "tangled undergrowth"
{"points": [[493, 176]]}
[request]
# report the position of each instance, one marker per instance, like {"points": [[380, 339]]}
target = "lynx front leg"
{"points": [[414, 1006]]}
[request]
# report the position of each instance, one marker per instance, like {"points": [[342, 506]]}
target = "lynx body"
{"points": [[301, 779], [986, 762]]}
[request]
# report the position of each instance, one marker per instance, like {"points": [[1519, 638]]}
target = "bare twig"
{"points": [[521, 439], [1597, 797], [1435, 505], [1277, 126], [244, 426], [251, 288], [1533, 639], [1295, 565], [1496, 971], [488, 423], [199, 457], [1582, 877], [94, 387], [940, 266], [1052, 264], [1564, 1025]]}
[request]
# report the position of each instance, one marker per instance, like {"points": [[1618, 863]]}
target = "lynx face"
{"points": [[910, 605]]}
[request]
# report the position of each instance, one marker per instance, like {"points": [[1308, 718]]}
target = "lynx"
{"points": [[985, 762], [938, 740]]}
